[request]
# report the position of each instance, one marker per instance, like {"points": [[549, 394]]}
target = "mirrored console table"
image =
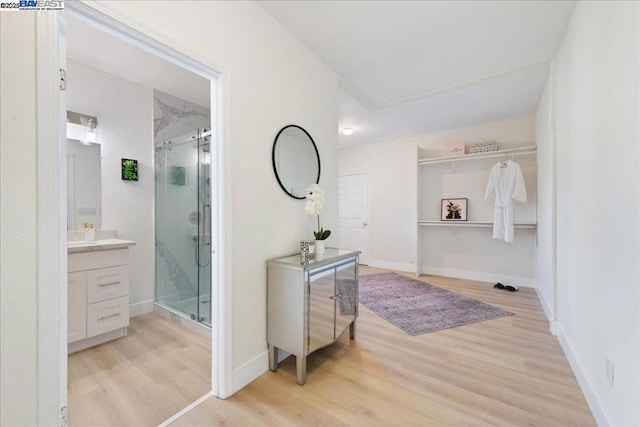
{"points": [[309, 306]]}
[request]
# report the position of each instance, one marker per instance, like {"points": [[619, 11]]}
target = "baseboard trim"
{"points": [[597, 409], [481, 276], [248, 372], [547, 311], [139, 308], [398, 266]]}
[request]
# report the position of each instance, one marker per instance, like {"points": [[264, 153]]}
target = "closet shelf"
{"points": [[511, 152], [424, 223]]}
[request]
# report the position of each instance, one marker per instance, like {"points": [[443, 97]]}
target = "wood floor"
{"points": [[141, 379], [509, 371]]}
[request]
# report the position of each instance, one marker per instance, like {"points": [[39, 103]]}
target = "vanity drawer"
{"points": [[107, 283], [108, 315], [98, 259]]}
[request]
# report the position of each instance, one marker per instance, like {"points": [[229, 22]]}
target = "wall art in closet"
{"points": [[453, 209]]}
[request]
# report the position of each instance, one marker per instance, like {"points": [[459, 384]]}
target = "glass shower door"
{"points": [[183, 226]]}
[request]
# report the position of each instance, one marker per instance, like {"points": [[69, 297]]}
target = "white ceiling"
{"points": [[97, 49], [413, 67]]}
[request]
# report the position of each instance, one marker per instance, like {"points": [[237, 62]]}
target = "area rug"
{"points": [[417, 307]]}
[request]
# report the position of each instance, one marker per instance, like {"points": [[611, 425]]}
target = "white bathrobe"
{"points": [[506, 184]]}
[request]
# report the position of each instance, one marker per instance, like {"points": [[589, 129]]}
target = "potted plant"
{"points": [[315, 199]]}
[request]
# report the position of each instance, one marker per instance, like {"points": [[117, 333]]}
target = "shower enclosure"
{"points": [[183, 225]]}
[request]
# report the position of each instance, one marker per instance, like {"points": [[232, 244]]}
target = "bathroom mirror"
{"points": [[296, 161], [84, 185]]}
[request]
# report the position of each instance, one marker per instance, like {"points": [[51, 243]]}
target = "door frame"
{"points": [[367, 259], [51, 198], [51, 231]]}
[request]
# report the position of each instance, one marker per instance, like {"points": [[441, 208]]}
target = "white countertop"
{"points": [[79, 246]]}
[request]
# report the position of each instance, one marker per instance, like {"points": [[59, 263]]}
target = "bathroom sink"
{"points": [[81, 243], [77, 246]]}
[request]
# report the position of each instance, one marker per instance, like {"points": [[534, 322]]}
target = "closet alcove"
{"points": [[466, 249]]}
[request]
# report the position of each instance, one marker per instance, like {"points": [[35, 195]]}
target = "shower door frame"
{"points": [[50, 41]]}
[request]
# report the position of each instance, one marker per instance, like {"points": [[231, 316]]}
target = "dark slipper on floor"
{"points": [[511, 288], [498, 286]]}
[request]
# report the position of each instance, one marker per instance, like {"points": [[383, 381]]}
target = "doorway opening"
{"points": [[210, 243]]}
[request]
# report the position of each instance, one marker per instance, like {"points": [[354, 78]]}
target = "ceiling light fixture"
{"points": [[347, 131]]}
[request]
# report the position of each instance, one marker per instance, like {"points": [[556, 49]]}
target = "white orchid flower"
{"points": [[313, 205]]}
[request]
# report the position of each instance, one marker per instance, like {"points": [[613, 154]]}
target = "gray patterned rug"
{"points": [[417, 307]]}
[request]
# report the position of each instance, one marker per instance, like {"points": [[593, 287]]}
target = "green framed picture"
{"points": [[129, 170]]}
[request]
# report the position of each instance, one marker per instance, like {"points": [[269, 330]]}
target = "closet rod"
{"points": [[425, 223], [521, 151]]}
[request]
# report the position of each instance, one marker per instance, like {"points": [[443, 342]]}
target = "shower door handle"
{"points": [[206, 210], [204, 233]]}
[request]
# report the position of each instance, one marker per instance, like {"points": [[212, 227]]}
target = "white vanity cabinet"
{"points": [[77, 307], [98, 297], [309, 306]]}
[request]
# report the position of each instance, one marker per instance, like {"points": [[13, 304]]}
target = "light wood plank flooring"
{"points": [[509, 371], [141, 379]]}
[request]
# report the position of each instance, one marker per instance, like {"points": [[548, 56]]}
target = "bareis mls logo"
{"points": [[33, 5]]}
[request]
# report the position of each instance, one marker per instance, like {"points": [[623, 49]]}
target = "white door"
{"points": [[353, 217]]}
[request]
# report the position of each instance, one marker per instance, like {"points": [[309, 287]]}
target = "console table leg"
{"points": [[352, 330], [301, 370], [273, 357]]}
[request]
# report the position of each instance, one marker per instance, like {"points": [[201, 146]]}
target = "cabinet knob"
{"points": [[365, 223]]}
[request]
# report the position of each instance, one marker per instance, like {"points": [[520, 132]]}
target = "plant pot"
{"points": [[319, 247]]}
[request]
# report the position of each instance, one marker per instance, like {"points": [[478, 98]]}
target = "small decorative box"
{"points": [[483, 147], [306, 251], [455, 149]]}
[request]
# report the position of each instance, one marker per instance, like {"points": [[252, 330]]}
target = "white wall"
{"points": [[598, 180], [273, 81], [18, 249], [545, 248], [392, 169], [125, 130]]}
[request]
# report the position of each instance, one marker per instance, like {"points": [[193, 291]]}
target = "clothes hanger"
{"points": [[503, 161]]}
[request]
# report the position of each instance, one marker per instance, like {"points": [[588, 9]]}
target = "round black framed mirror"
{"points": [[296, 161]]}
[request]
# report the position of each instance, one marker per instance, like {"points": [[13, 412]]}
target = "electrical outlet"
{"points": [[610, 370]]}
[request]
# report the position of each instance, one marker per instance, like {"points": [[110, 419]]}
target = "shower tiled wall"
{"points": [[173, 116]]}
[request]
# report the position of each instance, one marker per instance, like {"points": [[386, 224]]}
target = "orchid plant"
{"points": [[315, 199]]}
